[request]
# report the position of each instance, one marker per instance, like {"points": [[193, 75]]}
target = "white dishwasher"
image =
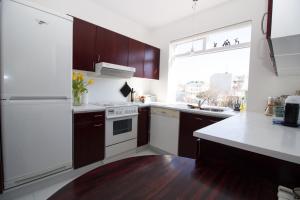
{"points": [[164, 129]]}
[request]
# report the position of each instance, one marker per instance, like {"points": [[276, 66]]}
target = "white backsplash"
{"points": [[108, 89]]}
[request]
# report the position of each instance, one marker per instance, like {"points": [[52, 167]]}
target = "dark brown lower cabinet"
{"points": [[143, 126], [188, 124], [89, 138], [277, 171], [1, 166], [1, 160]]}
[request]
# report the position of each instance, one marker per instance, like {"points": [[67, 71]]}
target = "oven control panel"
{"points": [[122, 111]]}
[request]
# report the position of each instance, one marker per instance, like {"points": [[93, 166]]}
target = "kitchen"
{"points": [[96, 38]]}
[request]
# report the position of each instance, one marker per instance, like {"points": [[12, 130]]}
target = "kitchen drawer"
{"points": [[203, 119], [91, 117]]}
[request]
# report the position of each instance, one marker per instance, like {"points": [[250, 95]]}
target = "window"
{"points": [[188, 46], [213, 66]]}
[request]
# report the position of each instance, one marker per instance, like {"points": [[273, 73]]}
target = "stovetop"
{"points": [[114, 104], [118, 109]]}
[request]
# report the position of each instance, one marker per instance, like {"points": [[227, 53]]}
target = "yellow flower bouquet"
{"points": [[79, 87]]}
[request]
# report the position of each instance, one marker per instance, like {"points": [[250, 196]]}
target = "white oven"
{"points": [[120, 129], [120, 124]]}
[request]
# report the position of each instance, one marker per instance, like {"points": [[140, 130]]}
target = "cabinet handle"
{"points": [[213, 121], [262, 23], [41, 22], [96, 116], [99, 57], [199, 119], [98, 125]]}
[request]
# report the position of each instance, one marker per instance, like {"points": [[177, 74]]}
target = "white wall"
{"points": [[90, 11], [104, 89], [108, 89], [262, 79]]}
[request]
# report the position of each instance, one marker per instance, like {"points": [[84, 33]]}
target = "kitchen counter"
{"points": [[255, 132], [178, 107], [185, 108], [87, 108]]}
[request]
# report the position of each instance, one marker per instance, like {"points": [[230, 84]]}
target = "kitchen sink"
{"points": [[211, 109]]}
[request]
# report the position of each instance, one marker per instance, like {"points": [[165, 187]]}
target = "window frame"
{"points": [[204, 36]]}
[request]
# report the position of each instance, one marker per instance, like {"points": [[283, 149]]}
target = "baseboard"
{"points": [[158, 150]]}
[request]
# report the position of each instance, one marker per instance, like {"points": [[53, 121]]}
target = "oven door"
{"points": [[120, 129]]}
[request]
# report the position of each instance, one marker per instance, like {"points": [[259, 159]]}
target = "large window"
{"points": [[213, 66]]}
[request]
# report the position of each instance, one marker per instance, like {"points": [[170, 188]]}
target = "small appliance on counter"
{"points": [[147, 98], [150, 98], [291, 116], [237, 106], [270, 106]]}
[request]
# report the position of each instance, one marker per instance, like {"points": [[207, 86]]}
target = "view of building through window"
{"points": [[206, 70]]}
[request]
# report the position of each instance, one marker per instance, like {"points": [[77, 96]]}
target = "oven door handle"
{"points": [[123, 116]]}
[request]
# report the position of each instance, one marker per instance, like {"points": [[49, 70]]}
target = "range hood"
{"points": [[108, 69]]}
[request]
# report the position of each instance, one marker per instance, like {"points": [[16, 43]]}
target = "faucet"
{"points": [[201, 102]]}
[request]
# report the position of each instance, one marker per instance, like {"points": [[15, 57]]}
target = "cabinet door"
{"points": [[1, 162], [136, 57], [269, 19], [143, 126], [151, 62], [285, 16], [99, 45], [84, 37], [89, 138], [114, 47], [188, 124]]}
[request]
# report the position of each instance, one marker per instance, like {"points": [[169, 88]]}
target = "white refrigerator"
{"points": [[36, 78]]}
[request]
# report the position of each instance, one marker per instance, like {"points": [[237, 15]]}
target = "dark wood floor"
{"points": [[165, 177]]}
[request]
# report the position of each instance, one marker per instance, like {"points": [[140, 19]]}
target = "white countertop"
{"points": [[178, 107], [255, 132], [87, 108], [185, 108]]}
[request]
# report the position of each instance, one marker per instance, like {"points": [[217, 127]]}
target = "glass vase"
{"points": [[77, 99]]}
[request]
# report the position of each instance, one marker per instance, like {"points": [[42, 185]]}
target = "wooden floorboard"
{"points": [[165, 177]]}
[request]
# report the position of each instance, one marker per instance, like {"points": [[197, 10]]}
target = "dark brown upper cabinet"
{"points": [[84, 37], [99, 44], [269, 19], [113, 47], [93, 44], [151, 62], [136, 57]]}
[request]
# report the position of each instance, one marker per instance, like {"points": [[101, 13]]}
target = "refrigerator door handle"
{"points": [[39, 98]]}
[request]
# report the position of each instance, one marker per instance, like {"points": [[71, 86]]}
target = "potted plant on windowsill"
{"points": [[79, 87]]}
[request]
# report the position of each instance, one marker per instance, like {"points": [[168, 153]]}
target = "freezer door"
{"points": [[37, 139], [36, 56]]}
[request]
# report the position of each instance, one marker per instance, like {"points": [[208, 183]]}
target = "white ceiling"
{"points": [[156, 13]]}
